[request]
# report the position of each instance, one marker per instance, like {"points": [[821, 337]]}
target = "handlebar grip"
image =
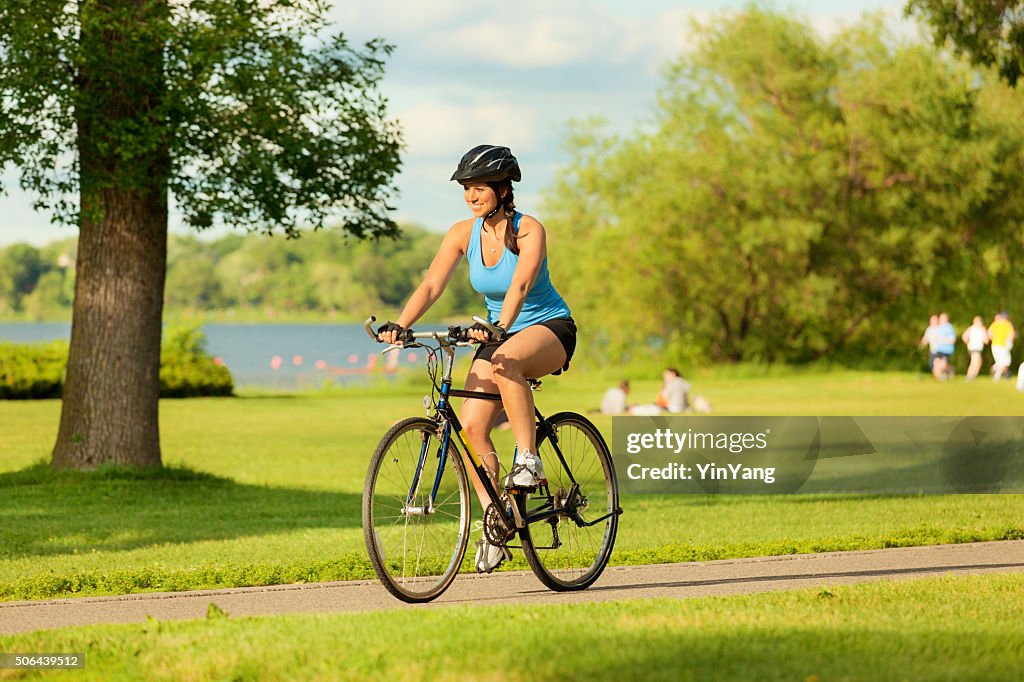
{"points": [[405, 337], [459, 334]]}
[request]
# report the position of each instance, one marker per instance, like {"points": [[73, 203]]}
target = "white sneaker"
{"points": [[488, 556], [528, 472]]}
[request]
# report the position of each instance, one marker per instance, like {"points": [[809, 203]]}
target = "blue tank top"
{"points": [[542, 302]]}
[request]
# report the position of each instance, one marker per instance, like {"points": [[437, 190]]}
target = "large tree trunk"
{"points": [[111, 393], [110, 407]]}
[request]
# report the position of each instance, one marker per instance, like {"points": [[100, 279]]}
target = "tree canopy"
{"points": [[270, 118], [990, 32], [251, 114], [796, 199]]}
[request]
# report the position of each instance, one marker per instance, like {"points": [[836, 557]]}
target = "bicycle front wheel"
{"points": [[564, 554], [415, 547]]}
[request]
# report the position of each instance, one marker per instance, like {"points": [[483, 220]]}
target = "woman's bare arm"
{"points": [[436, 279]]}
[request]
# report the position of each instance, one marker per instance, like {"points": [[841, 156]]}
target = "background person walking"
{"points": [[1001, 333], [976, 338], [944, 348], [930, 338]]}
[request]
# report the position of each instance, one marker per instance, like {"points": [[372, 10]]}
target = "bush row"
{"points": [[36, 371], [32, 371]]}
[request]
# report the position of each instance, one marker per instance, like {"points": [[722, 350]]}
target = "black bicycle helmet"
{"points": [[487, 163]]}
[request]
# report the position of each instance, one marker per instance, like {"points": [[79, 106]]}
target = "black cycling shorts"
{"points": [[563, 327]]}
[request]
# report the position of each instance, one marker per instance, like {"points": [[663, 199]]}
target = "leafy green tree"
{"points": [[251, 114], [797, 199], [991, 32], [191, 279], [37, 282], [336, 289], [20, 268], [48, 296]]}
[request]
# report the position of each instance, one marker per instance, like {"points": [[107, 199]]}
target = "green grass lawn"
{"points": [[266, 490], [944, 628]]}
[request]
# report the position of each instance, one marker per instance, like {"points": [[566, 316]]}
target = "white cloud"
{"points": [[830, 24], [440, 128], [397, 18], [544, 43], [525, 34], [669, 34], [556, 39]]}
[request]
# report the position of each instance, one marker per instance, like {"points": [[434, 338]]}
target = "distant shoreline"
{"points": [[177, 316]]}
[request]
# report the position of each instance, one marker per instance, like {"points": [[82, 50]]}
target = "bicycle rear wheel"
{"points": [[564, 555], [416, 549]]}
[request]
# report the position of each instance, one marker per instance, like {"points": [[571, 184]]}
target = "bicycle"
{"points": [[416, 500]]}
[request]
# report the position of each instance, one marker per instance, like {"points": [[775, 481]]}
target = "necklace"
{"points": [[493, 236]]}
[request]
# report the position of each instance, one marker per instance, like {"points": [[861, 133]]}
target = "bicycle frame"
{"points": [[448, 420]]}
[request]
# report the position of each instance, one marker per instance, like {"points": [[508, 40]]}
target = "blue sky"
{"points": [[502, 73]]}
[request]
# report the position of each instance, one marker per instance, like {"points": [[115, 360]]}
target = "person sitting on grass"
{"points": [[672, 399], [614, 400]]}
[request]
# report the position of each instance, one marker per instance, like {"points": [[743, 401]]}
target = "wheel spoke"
{"points": [[415, 555], [584, 551]]}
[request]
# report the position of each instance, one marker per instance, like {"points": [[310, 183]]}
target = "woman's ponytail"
{"points": [[508, 204]]}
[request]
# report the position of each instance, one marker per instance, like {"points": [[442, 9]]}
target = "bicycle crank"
{"points": [[495, 530]]}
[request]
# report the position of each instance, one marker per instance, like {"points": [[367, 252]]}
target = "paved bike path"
{"points": [[697, 579]]}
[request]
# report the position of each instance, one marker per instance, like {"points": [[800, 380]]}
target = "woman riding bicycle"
{"points": [[507, 254]]}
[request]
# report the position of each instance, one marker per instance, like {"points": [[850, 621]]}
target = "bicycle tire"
{"points": [[583, 552], [438, 540]]}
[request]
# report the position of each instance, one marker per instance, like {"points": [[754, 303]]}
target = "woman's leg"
{"points": [[477, 417], [532, 353]]}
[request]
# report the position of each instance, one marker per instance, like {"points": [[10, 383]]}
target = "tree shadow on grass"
{"points": [[46, 512]]}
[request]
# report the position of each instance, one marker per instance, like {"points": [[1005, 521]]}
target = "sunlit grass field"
{"points": [[266, 489], [943, 628]]}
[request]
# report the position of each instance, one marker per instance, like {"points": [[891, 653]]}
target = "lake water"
{"points": [[285, 356]]}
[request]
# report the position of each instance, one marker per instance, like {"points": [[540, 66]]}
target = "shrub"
{"points": [[32, 371], [36, 371], [187, 370]]}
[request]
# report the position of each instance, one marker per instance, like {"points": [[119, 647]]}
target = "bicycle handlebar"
{"points": [[454, 334]]}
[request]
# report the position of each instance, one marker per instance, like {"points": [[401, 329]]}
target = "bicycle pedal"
{"points": [[523, 489]]}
